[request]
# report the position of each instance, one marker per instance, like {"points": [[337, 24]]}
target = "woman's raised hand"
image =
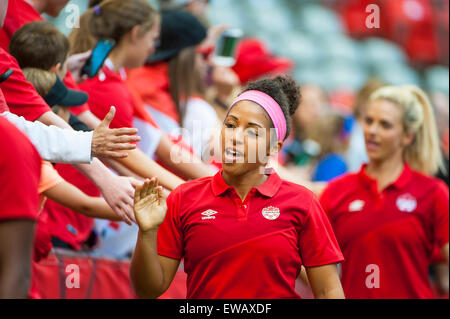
{"points": [[149, 205]]}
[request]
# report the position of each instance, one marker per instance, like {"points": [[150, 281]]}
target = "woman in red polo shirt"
{"points": [[243, 233], [388, 217]]}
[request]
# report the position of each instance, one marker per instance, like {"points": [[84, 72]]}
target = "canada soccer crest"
{"points": [[271, 212], [406, 203]]}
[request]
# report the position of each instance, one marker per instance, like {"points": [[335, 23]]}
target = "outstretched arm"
{"points": [[70, 196], [59, 143]]}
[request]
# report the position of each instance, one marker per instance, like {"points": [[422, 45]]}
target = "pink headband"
{"points": [[270, 106]]}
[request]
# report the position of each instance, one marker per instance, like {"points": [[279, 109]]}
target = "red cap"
{"points": [[254, 61]]}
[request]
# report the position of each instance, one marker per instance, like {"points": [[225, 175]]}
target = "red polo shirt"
{"points": [[20, 172], [389, 235], [250, 249], [20, 95]]}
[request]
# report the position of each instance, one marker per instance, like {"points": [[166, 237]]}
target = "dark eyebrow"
{"points": [[254, 124], [250, 123]]}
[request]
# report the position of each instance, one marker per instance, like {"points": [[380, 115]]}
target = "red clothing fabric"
{"points": [[151, 82], [20, 95], [42, 238], [20, 172], [250, 249], [3, 106], [109, 89], [389, 235], [19, 13], [71, 227]]}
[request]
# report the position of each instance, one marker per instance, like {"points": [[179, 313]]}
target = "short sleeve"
{"points": [[49, 177], [317, 243], [170, 233], [21, 97], [441, 215], [324, 200]]}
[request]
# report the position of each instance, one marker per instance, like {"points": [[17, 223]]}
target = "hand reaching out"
{"points": [[149, 205], [111, 143]]}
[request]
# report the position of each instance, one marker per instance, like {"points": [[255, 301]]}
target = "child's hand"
{"points": [[75, 63], [149, 205]]}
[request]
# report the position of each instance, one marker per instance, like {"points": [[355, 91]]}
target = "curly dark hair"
{"points": [[284, 90]]}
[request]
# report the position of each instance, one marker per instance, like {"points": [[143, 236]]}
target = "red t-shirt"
{"points": [[387, 238], [250, 249], [20, 172], [71, 227], [20, 95], [19, 13]]}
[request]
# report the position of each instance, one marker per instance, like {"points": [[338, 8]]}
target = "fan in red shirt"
{"points": [[22, 98], [243, 233], [389, 216], [19, 204], [21, 12], [110, 85]]}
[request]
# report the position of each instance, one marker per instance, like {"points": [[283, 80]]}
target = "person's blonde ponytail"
{"points": [[423, 154]]}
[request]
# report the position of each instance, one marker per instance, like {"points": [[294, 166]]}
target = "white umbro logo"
{"points": [[356, 206], [209, 214]]}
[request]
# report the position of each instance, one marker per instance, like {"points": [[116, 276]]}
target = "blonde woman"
{"points": [[388, 217]]}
